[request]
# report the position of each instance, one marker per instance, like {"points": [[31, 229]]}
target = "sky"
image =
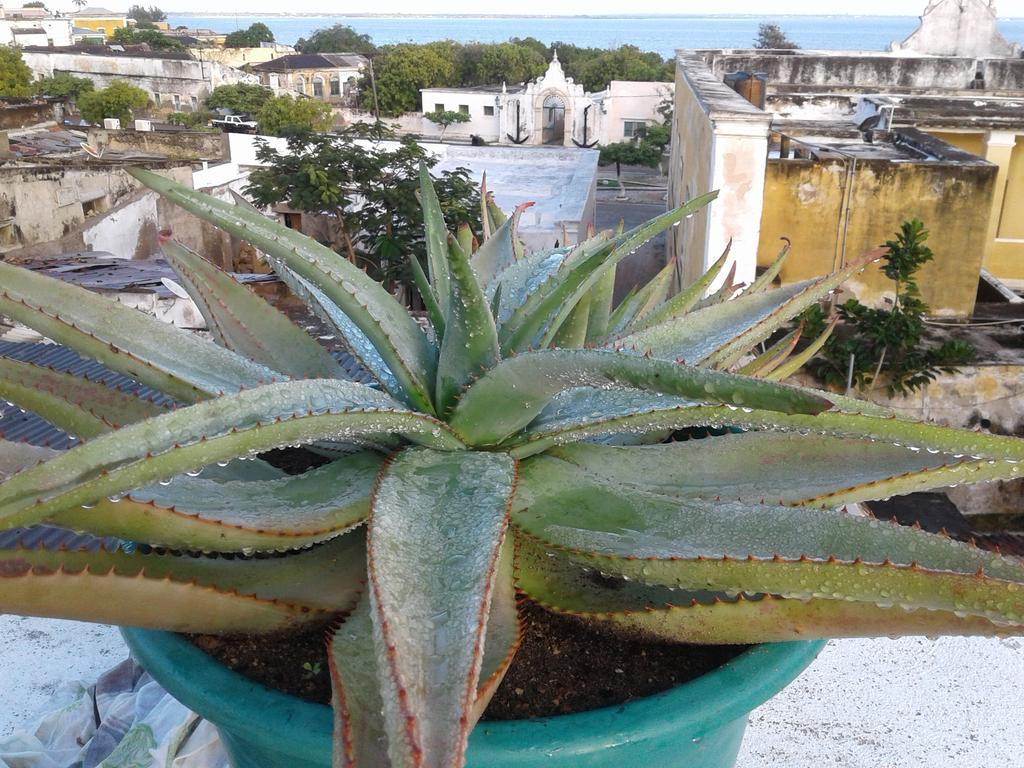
{"points": [[775, 8]]}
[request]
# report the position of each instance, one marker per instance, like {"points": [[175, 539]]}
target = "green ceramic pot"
{"points": [[697, 725]]}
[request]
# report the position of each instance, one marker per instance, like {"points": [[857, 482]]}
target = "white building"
{"points": [[34, 26], [551, 111]]}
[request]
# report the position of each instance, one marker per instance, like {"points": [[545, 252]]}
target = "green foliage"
{"points": [[886, 344], [240, 98], [35, 4], [771, 36], [251, 37], [369, 191], [630, 153], [339, 38], [119, 100], [445, 118], [402, 70], [491, 454], [154, 38], [64, 86], [191, 120], [146, 15], [15, 76], [283, 115]]}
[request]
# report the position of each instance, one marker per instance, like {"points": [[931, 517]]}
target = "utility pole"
{"points": [[373, 85]]}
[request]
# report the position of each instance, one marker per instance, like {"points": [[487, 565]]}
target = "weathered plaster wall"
{"points": [[805, 200], [958, 28], [720, 143], [633, 101], [862, 70], [14, 115], [57, 210]]}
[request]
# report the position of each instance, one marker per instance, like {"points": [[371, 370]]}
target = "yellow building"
{"points": [[823, 158], [100, 20]]}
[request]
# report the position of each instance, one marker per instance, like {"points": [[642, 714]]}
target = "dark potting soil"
{"points": [[563, 665]]}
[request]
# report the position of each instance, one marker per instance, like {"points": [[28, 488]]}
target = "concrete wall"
{"points": [[805, 200], [163, 79], [239, 57], [175, 145], [958, 28], [1004, 74]]}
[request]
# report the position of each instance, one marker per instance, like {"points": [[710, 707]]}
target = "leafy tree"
{"points": [[886, 344], [146, 15], [509, 62], [283, 115], [64, 86], [154, 38], [251, 37], [241, 98], [402, 70], [15, 76], [337, 39], [446, 117], [194, 121], [629, 153], [771, 36], [625, 63], [119, 99], [35, 4], [368, 188]]}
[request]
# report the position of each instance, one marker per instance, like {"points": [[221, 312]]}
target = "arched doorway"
{"points": [[554, 121]]}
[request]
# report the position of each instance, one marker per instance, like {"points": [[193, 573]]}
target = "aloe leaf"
{"points": [[191, 594], [498, 251], [148, 350], [727, 290], [273, 416], [396, 336], [432, 575], [601, 298], [573, 332], [797, 361], [727, 355], [74, 404], [641, 303], [359, 735], [485, 219], [510, 395], [15, 457], [244, 323], [551, 303], [734, 546], [686, 299], [356, 342], [436, 236], [764, 280], [470, 344], [422, 283], [575, 427], [774, 356], [516, 282], [666, 614], [787, 468], [222, 514]]}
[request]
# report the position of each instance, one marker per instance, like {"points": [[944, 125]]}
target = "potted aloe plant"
{"points": [[521, 442]]}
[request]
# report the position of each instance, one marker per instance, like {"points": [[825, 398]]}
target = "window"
{"points": [[101, 30], [293, 221], [488, 111], [439, 107], [318, 87], [195, 103], [300, 84], [632, 128], [156, 99], [335, 85], [177, 103], [464, 109]]}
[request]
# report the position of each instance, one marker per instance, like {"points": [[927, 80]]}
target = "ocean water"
{"points": [[657, 33]]}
